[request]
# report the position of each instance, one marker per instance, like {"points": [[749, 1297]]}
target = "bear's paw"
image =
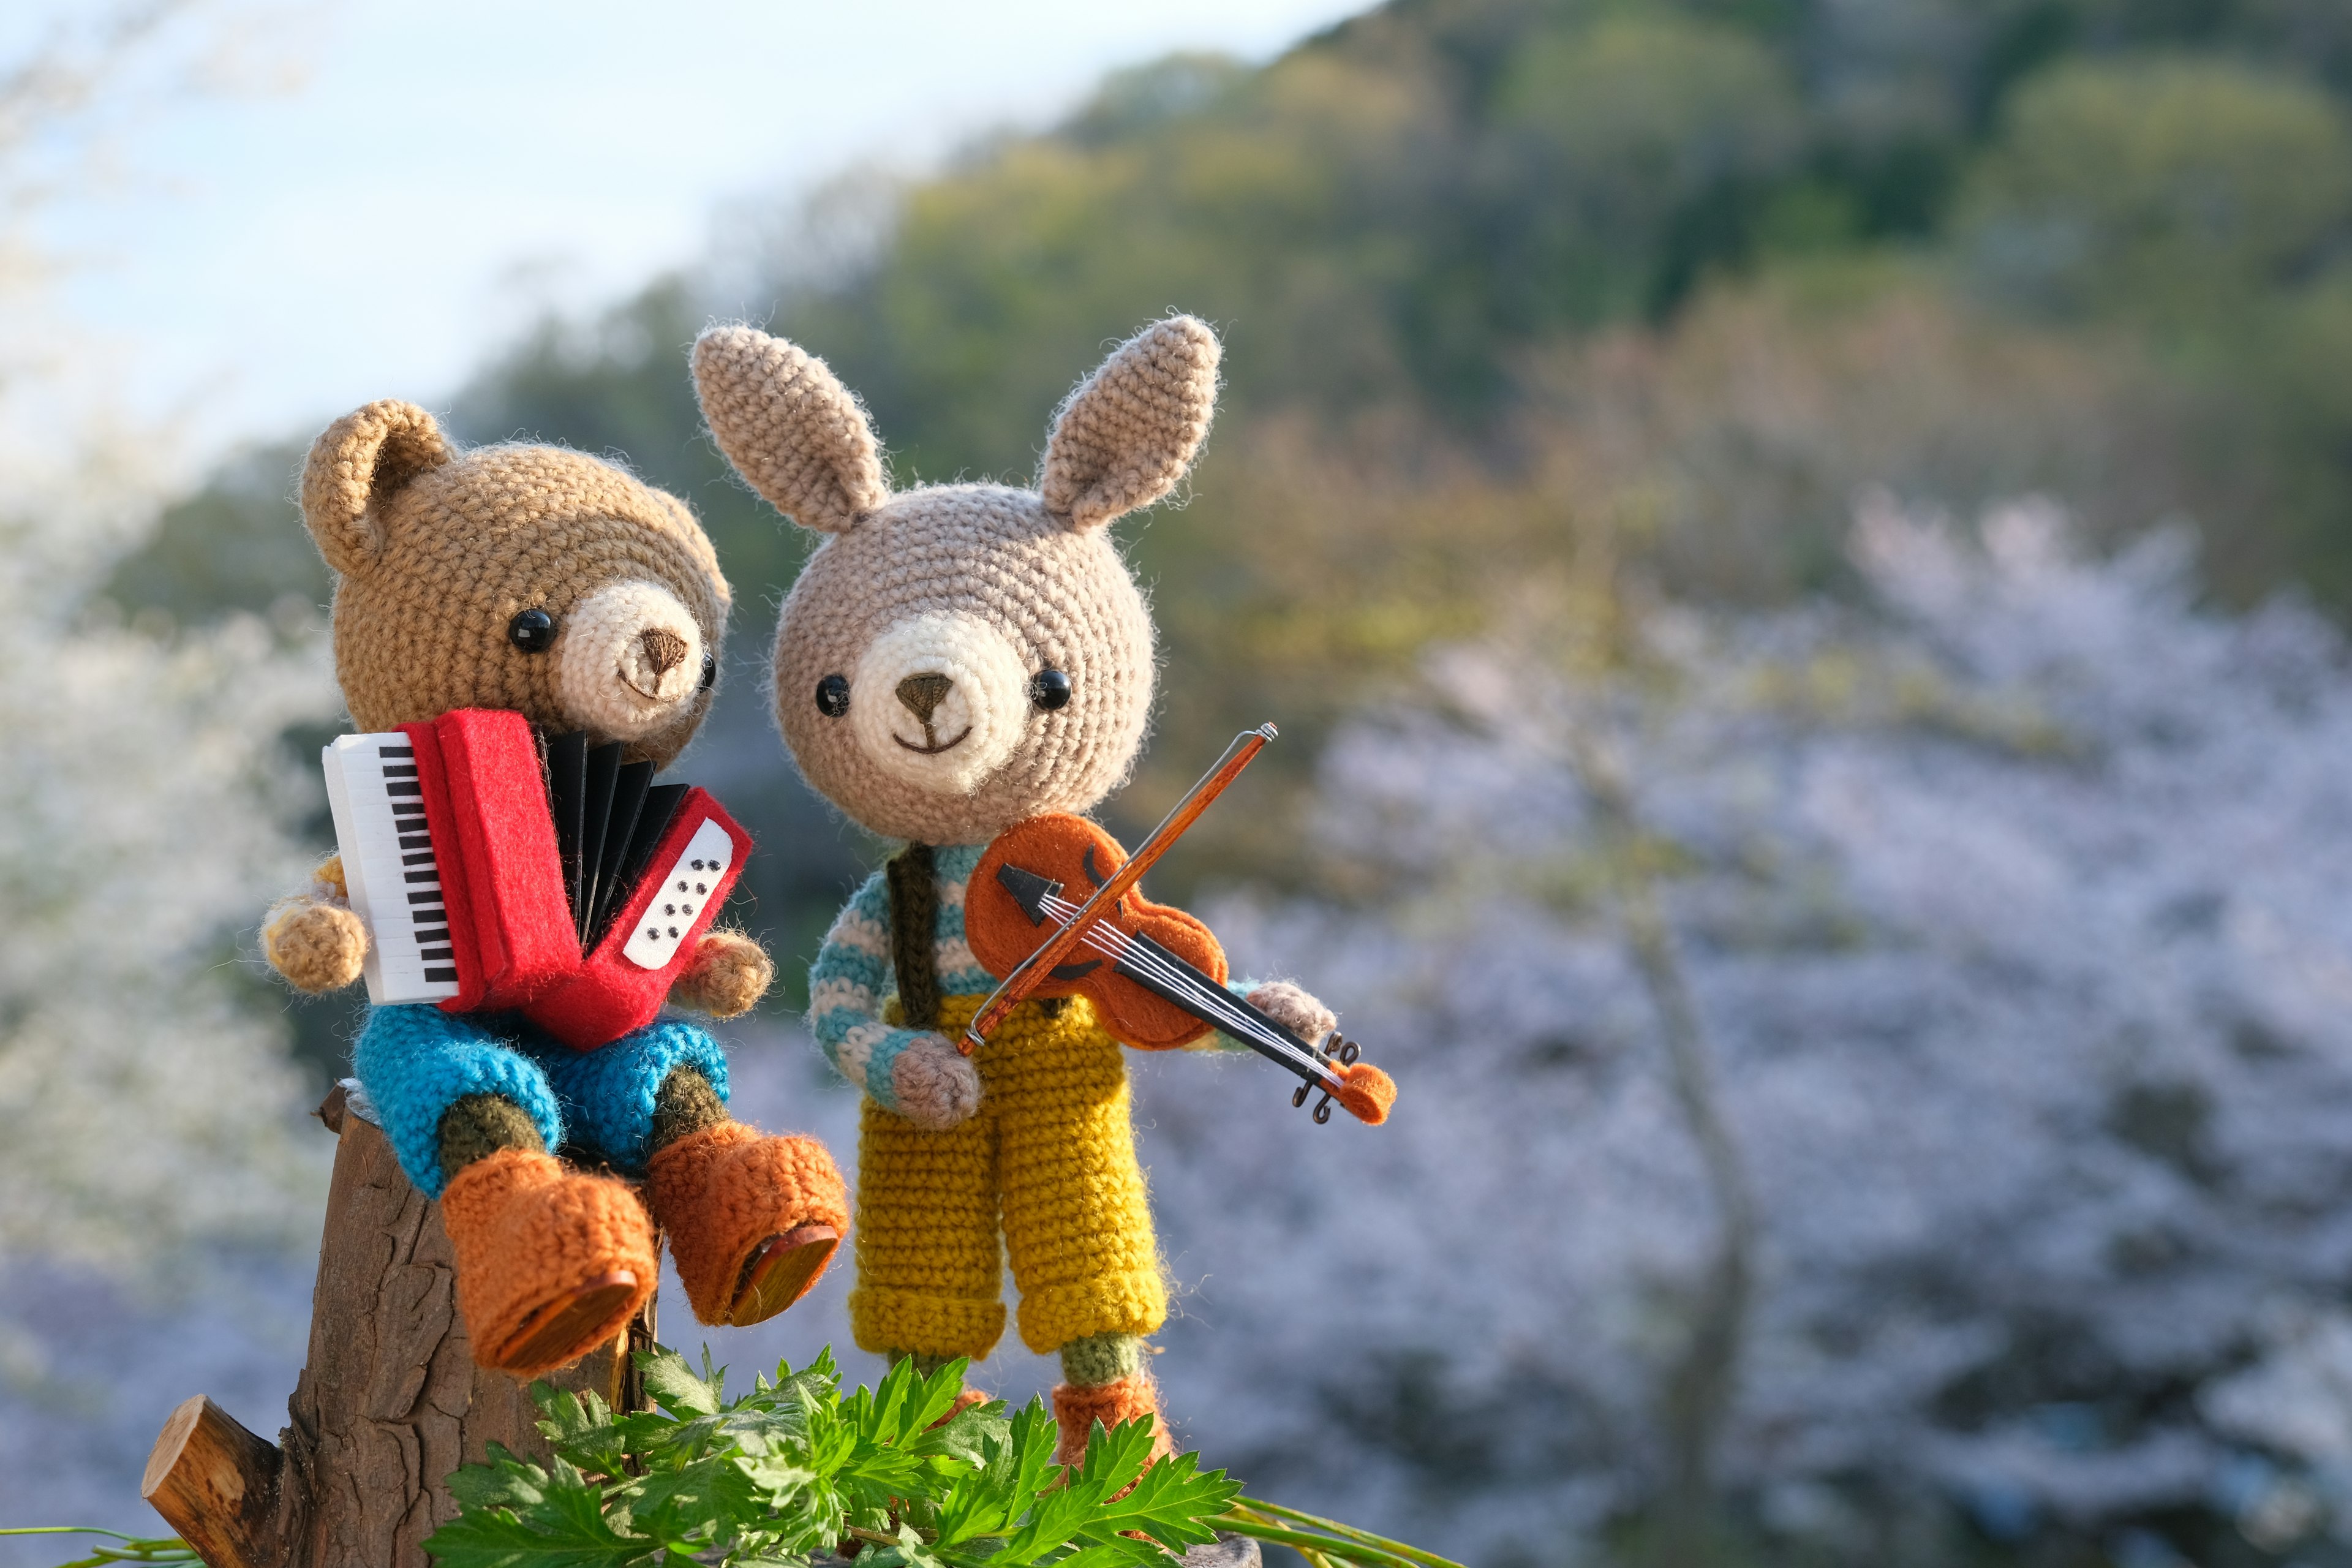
{"points": [[317, 946], [730, 973]]}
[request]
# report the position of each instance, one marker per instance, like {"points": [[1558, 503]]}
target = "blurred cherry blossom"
{"points": [[2014, 907]]}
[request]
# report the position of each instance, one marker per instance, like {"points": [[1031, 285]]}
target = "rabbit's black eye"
{"points": [[709, 672], [533, 631], [833, 696], [1049, 689]]}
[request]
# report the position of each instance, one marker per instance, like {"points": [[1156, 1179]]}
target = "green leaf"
{"points": [[505, 1481], [1017, 1466], [905, 1404], [1173, 1502], [712, 1498], [568, 1530], [963, 1436], [581, 1428], [821, 1373], [676, 1386], [1111, 1553], [789, 1468], [908, 1552]]}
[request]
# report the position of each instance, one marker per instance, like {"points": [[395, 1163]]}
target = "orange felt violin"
{"points": [[1053, 906]]}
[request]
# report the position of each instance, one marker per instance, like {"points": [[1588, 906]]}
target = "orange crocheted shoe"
{"points": [[550, 1263], [753, 1219], [1076, 1409]]}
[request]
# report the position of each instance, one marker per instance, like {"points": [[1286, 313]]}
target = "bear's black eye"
{"points": [[1049, 689], [833, 696], [533, 631], [709, 672]]}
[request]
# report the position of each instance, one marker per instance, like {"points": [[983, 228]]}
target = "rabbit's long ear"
{"points": [[789, 427], [1129, 431], [362, 460]]}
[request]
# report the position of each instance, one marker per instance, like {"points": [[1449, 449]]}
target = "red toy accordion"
{"points": [[500, 874]]}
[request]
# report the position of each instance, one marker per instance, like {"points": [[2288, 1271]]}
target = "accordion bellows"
{"points": [[478, 903]]}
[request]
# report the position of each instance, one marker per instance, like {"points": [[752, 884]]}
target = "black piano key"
{"points": [[567, 792], [629, 791], [596, 817], [439, 976], [661, 805]]}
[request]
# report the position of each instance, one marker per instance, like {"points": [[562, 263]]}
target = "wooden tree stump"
{"points": [[390, 1403]]}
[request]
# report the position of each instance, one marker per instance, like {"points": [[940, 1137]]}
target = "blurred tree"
{"points": [[2173, 190], [1484, 264], [1648, 142], [151, 1128], [238, 543]]}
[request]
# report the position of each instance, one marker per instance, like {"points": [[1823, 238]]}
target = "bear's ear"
{"points": [[365, 457], [1128, 432], [789, 427]]}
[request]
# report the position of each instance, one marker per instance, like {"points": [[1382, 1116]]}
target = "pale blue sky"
{"points": [[391, 190]]}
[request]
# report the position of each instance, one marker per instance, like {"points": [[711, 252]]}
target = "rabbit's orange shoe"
{"points": [[1076, 1411]]}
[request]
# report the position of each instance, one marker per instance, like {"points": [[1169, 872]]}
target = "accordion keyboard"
{"points": [[389, 868]]}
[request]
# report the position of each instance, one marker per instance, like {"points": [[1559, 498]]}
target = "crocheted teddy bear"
{"points": [[954, 660], [551, 583]]}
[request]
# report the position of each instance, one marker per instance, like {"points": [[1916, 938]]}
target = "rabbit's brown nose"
{"points": [[922, 694], [665, 650]]}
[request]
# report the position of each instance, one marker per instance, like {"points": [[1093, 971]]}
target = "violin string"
{"points": [[1122, 947], [1213, 997], [1226, 1014]]}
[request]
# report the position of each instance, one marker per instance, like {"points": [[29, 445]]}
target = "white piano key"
{"points": [[388, 867]]}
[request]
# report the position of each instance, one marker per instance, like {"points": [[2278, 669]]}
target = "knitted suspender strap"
{"points": [[914, 934]]}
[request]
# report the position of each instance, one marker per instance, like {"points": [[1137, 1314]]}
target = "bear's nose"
{"points": [[923, 693], [665, 650]]}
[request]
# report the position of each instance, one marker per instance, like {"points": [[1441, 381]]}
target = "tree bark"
{"points": [[389, 1405]]}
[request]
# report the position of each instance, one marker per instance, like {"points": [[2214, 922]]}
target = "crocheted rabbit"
{"points": [[551, 583], [954, 660]]}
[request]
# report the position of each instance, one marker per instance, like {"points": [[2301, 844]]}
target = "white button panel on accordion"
{"points": [[684, 890]]}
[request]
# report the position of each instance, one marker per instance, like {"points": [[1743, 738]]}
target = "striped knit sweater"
{"points": [[853, 973]]}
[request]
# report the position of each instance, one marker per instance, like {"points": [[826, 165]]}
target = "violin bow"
{"points": [[1032, 971]]}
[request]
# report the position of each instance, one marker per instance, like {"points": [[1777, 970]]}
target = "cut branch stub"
{"points": [[217, 1483]]}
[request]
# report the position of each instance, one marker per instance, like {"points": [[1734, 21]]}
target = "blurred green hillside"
{"points": [[1496, 274]]}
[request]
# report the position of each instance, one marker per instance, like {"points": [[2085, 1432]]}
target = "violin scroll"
{"points": [[1365, 1092]]}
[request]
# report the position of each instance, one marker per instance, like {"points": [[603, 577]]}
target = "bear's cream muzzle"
{"points": [[940, 700], [629, 661]]}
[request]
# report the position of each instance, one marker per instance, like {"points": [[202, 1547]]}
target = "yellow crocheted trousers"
{"points": [[1052, 1151]]}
